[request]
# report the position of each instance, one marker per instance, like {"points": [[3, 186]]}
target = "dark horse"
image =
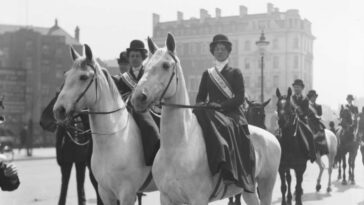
{"points": [[72, 147], [255, 116], [293, 156], [348, 144]]}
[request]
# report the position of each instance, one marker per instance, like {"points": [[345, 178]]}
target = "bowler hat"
{"points": [[311, 93], [137, 45], [350, 97], [298, 82], [220, 38], [123, 58]]}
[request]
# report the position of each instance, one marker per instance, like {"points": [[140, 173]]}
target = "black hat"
{"points": [[137, 45], [350, 97], [123, 58], [220, 38], [311, 93], [298, 82]]}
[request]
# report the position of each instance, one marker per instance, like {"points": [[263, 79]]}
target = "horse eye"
{"points": [[165, 66], [83, 77]]}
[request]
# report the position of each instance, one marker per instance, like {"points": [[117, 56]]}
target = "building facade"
{"points": [[32, 63], [289, 55]]}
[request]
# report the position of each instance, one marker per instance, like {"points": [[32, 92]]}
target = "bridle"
{"points": [[96, 86], [71, 128], [161, 103]]}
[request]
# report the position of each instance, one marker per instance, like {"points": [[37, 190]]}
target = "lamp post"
{"points": [[262, 44]]}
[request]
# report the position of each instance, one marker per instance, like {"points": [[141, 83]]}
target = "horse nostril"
{"points": [[143, 97], [61, 113]]}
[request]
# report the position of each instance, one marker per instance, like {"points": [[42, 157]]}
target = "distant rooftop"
{"points": [[55, 30]]}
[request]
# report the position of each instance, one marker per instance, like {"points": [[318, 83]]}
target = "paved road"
{"points": [[40, 184]]}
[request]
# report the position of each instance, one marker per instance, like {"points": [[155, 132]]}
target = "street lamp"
{"points": [[262, 44]]}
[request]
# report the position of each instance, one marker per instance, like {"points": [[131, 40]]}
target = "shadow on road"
{"points": [[361, 203], [343, 188], [315, 196]]}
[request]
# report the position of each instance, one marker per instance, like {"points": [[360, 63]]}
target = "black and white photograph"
{"points": [[156, 102]]}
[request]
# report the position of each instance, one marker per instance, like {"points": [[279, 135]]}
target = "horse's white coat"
{"points": [[117, 158], [181, 170]]}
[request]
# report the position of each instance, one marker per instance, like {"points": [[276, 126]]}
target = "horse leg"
{"points": [[331, 158], [282, 175], [237, 199], [165, 200], [127, 195], [266, 186], [299, 177], [339, 165], [94, 184], [107, 196], [289, 180], [344, 182], [321, 166], [231, 201], [80, 176], [66, 173], [251, 198], [352, 157]]}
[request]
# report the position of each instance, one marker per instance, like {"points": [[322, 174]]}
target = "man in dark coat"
{"points": [[126, 83], [123, 62], [315, 123], [225, 128], [301, 105]]}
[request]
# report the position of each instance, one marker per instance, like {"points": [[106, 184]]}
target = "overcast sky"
{"points": [[109, 25]]}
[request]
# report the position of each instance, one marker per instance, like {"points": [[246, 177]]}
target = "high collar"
{"points": [[221, 65], [137, 74]]}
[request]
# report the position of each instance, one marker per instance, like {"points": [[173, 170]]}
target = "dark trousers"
{"points": [[80, 176], [150, 135]]}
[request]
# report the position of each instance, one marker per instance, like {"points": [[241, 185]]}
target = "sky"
{"points": [[109, 25]]}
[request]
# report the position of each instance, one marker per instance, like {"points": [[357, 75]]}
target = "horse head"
{"points": [[160, 77], [83, 82], [256, 113], [285, 109]]}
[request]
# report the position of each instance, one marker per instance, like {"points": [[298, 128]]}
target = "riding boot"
{"points": [[66, 172]]}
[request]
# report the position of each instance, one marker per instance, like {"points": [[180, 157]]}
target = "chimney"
{"points": [[270, 8], [179, 16], [218, 13], [156, 19], [77, 34], [243, 11], [203, 15]]}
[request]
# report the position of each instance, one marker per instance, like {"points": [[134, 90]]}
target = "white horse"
{"points": [[331, 140], [117, 159], [181, 170]]}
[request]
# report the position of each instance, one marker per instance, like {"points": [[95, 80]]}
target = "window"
{"points": [[247, 81], [295, 62], [275, 81], [275, 62], [275, 43], [247, 63], [295, 43], [247, 46]]}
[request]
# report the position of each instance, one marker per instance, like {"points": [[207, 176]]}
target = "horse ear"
{"points": [[248, 101], [266, 103], [278, 93], [74, 54], [171, 45], [88, 53], [289, 93], [151, 45]]}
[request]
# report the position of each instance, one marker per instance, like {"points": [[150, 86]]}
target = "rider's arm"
{"points": [[202, 91], [237, 86]]}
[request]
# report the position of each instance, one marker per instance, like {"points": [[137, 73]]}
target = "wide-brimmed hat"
{"points": [[298, 82], [311, 93], [350, 97], [122, 58], [220, 38], [136, 45]]}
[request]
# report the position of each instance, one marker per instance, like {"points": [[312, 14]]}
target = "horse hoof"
{"points": [[344, 182], [298, 203], [328, 189], [289, 202], [318, 187], [353, 182], [231, 203]]}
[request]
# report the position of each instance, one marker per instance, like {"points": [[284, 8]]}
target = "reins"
{"points": [[161, 103]]}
